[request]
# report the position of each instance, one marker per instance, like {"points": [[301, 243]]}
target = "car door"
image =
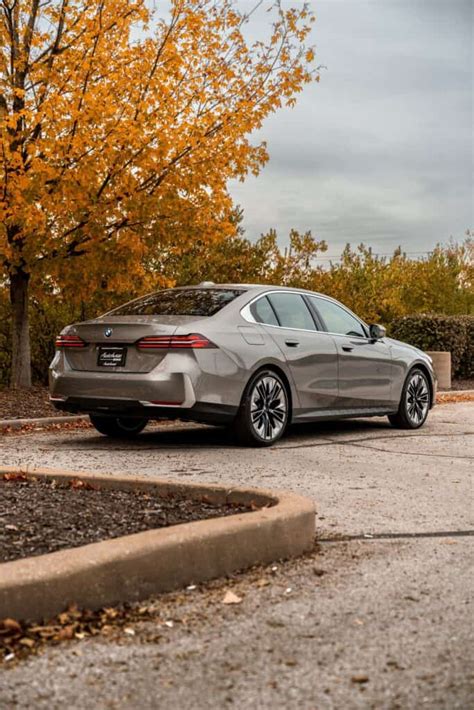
{"points": [[364, 364], [311, 354]]}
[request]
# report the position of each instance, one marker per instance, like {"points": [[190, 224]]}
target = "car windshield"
{"points": [[179, 302]]}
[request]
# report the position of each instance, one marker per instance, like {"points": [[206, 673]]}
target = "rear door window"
{"points": [[179, 302], [292, 311]]}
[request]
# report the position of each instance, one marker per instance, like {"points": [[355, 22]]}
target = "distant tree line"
{"points": [[379, 289]]}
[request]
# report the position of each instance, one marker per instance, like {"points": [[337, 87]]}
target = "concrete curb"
{"points": [[136, 566], [40, 421]]}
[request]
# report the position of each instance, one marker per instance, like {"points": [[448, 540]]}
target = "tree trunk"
{"points": [[21, 354]]}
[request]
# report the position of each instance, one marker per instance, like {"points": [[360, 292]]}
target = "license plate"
{"points": [[112, 356]]}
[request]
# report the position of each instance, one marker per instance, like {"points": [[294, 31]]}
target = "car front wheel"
{"points": [[264, 411], [414, 403], [118, 427]]}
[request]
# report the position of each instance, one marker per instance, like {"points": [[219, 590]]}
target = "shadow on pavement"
{"points": [[199, 436]]}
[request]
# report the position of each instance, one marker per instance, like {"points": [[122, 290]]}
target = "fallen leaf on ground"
{"points": [[78, 483], [14, 477], [27, 642], [231, 598], [66, 633], [276, 623], [360, 678], [10, 625]]}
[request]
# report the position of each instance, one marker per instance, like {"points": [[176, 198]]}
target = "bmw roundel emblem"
{"points": [[108, 332]]}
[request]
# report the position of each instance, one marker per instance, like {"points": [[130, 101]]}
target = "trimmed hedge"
{"points": [[454, 334]]}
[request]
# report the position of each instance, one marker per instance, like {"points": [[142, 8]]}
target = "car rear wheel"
{"points": [[264, 411], [118, 427], [414, 403]]}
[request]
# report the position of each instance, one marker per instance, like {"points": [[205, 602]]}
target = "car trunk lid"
{"points": [[111, 342]]}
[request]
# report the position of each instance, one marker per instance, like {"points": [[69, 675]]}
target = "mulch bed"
{"points": [[27, 404], [41, 516]]}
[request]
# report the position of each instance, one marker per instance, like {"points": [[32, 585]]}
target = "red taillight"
{"points": [[175, 342], [70, 341]]}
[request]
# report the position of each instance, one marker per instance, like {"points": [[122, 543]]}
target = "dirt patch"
{"points": [[26, 404], [463, 384], [41, 516]]}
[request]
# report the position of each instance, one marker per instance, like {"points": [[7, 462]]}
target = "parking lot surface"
{"points": [[379, 615]]}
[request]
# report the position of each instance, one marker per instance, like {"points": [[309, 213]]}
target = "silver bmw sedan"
{"points": [[256, 358]]}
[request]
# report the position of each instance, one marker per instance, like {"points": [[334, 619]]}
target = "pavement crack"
{"points": [[359, 441], [408, 453], [368, 537]]}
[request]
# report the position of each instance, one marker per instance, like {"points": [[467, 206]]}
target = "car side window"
{"points": [[337, 319], [292, 311], [263, 312]]}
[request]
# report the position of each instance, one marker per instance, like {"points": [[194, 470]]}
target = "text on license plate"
{"points": [[112, 356]]}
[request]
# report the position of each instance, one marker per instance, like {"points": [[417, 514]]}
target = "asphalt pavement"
{"points": [[379, 615]]}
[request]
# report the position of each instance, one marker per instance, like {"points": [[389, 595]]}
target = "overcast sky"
{"points": [[381, 150]]}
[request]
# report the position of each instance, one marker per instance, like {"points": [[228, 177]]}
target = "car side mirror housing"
{"points": [[377, 331]]}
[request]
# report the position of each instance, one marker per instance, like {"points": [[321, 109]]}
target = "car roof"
{"points": [[247, 287]]}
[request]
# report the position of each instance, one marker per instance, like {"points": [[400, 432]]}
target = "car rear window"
{"points": [[179, 302]]}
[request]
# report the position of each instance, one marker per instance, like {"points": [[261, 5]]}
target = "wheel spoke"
{"points": [[268, 427]]}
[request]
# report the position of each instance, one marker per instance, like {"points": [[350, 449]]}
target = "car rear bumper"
{"points": [[164, 387]]}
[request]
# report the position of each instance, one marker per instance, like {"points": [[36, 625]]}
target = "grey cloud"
{"points": [[381, 150]]}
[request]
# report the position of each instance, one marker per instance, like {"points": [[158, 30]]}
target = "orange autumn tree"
{"points": [[114, 120]]}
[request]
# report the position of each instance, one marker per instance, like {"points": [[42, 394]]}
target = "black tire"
{"points": [[118, 427], [262, 424], [414, 402]]}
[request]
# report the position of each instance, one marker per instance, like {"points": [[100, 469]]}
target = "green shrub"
{"points": [[454, 334], [466, 366]]}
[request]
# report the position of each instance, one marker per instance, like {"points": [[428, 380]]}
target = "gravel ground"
{"points": [[382, 619], [37, 517]]}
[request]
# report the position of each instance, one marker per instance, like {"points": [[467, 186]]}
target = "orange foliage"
{"points": [[114, 121]]}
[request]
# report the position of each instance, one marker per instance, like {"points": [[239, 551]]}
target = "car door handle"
{"points": [[292, 343], [347, 348]]}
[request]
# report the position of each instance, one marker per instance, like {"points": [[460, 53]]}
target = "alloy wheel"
{"points": [[417, 399], [268, 408]]}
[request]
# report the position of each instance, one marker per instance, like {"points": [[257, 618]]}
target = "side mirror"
{"points": [[377, 331]]}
